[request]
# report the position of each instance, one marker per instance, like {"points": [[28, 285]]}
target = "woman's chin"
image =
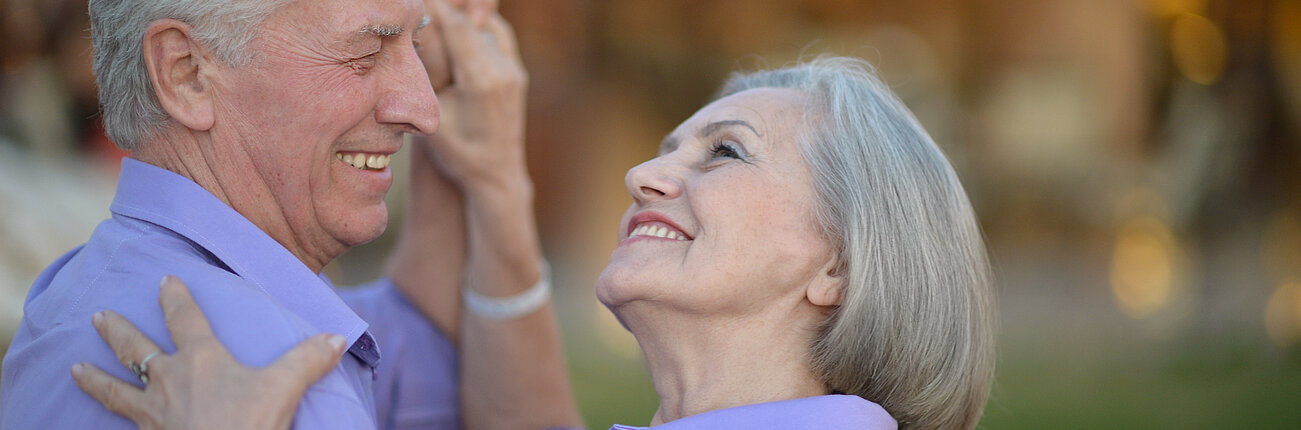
{"points": [[608, 289], [618, 285]]}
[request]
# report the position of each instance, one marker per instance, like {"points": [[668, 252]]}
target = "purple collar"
{"points": [[161, 197]]}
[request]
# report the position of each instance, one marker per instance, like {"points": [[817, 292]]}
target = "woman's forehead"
{"points": [[763, 110]]}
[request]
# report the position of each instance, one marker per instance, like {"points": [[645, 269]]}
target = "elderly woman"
{"points": [[806, 239], [799, 255]]}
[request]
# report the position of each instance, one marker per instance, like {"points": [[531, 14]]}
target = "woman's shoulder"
{"points": [[819, 412]]}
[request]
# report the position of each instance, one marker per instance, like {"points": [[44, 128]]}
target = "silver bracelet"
{"points": [[511, 307]]}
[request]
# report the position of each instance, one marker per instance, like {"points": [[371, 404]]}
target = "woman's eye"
{"points": [[724, 149]]}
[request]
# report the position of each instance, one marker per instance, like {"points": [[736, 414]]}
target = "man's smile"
{"points": [[365, 161]]}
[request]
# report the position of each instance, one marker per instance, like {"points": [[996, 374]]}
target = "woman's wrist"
{"points": [[506, 183]]}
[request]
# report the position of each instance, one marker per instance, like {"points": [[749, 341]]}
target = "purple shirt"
{"points": [[809, 413], [259, 298]]}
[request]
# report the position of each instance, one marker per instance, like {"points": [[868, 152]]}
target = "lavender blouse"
{"points": [[810, 413]]}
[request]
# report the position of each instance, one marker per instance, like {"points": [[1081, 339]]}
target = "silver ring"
{"points": [[142, 370]]}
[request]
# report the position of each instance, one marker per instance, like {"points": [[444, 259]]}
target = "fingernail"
{"points": [[97, 318], [164, 281], [336, 342], [78, 368]]}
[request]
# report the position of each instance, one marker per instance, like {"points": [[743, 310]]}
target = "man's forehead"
{"points": [[379, 17]]}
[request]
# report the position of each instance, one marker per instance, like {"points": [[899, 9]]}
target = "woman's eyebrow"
{"points": [[713, 127], [671, 142]]}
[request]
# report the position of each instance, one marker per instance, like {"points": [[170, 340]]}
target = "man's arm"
{"points": [[428, 262]]}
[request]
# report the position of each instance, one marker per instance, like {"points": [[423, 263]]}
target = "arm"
{"points": [[472, 199], [428, 262]]}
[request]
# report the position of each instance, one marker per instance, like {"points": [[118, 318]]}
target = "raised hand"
{"points": [[480, 142]]}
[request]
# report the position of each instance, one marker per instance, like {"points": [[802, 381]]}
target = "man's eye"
{"points": [[364, 64]]}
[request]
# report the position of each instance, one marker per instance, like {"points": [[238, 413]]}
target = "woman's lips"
{"points": [[658, 229], [655, 225]]}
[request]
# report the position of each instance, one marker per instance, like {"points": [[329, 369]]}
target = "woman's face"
{"points": [[722, 220]]}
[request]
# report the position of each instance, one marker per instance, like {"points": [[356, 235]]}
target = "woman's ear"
{"points": [[828, 288], [178, 68]]}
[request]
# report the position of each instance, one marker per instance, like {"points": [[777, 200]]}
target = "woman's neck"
{"points": [[705, 364]]}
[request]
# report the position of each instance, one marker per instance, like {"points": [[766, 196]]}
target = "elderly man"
{"points": [[260, 134]]}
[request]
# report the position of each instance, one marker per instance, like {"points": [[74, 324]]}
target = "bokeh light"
{"points": [[1283, 314], [1143, 266], [1199, 48]]}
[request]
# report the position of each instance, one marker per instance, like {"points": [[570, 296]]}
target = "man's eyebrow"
{"points": [[382, 30]]}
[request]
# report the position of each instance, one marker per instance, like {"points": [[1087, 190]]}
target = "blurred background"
{"points": [[1136, 165]]}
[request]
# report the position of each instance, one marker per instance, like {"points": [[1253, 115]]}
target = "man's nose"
{"points": [[653, 180], [408, 96]]}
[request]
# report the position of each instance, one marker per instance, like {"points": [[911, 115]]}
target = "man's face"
{"points": [[307, 127]]}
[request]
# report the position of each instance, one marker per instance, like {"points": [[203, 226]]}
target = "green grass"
{"points": [[1185, 393], [612, 390], [1221, 387]]}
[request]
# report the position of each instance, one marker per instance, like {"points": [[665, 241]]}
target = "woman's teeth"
{"points": [[363, 161], [653, 231]]}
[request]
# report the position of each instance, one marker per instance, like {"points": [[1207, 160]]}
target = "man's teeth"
{"points": [[363, 161], [650, 230]]}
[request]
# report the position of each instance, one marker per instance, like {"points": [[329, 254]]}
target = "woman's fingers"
{"points": [[120, 397], [184, 318], [130, 345], [481, 10], [457, 31], [202, 385], [470, 49], [307, 362], [503, 34]]}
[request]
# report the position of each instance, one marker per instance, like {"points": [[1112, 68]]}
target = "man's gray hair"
{"points": [[117, 27], [915, 328]]}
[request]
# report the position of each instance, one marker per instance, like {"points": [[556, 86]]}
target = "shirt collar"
{"points": [[161, 197]]}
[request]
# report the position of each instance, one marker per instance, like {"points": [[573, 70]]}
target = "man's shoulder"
{"points": [[120, 268]]}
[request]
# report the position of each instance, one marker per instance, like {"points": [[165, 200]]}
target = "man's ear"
{"points": [[178, 68], [828, 288]]}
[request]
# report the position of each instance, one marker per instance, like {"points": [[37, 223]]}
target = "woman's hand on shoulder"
{"points": [[201, 386]]}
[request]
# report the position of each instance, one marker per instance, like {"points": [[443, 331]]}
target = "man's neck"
{"points": [[184, 157], [225, 175]]}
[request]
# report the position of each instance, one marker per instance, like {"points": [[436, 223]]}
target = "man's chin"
{"points": [[362, 230]]}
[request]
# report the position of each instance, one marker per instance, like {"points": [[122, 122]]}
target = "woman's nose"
{"points": [[653, 180]]}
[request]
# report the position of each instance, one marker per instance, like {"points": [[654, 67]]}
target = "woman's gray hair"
{"points": [[915, 328], [117, 28]]}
